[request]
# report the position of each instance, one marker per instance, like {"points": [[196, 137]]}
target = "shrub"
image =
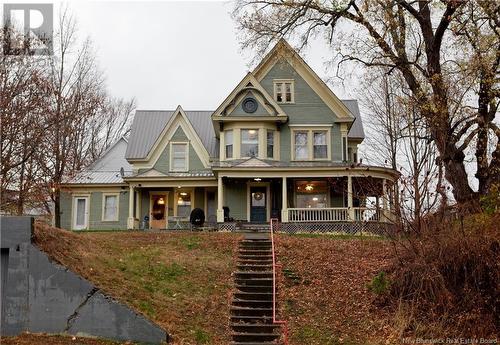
{"points": [[380, 283]]}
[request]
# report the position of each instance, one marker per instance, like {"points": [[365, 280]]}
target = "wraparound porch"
{"points": [[355, 194]]}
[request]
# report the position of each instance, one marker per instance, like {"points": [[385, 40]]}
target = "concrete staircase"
{"points": [[252, 227], [252, 306]]}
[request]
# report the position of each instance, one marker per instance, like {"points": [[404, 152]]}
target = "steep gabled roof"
{"points": [[149, 124], [107, 169], [248, 83], [282, 50]]}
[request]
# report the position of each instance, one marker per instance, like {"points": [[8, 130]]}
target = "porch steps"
{"points": [[252, 306], [253, 227]]}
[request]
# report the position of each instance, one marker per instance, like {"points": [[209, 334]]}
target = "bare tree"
{"points": [[416, 39]]}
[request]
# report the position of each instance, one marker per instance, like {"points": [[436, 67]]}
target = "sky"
{"points": [[170, 53]]}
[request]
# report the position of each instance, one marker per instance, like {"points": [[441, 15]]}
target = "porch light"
{"points": [[309, 187], [252, 131], [258, 179], [179, 187], [315, 199], [161, 201], [184, 193]]}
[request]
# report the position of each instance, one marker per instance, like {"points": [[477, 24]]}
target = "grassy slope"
{"points": [[324, 294], [182, 281]]}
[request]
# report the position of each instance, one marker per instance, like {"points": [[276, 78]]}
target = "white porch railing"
{"points": [[367, 214], [334, 214]]}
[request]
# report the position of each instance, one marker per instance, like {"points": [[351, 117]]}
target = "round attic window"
{"points": [[249, 105]]}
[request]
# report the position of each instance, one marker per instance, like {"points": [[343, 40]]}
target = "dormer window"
{"points": [[284, 91]]}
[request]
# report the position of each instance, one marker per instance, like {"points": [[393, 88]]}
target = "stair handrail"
{"points": [[284, 323]]}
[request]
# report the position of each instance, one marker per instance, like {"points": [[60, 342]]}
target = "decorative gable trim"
{"points": [[249, 83], [178, 119], [283, 50]]}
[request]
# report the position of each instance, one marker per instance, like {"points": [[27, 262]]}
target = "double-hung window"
{"points": [[110, 207], [249, 142], [320, 148], [301, 145], [310, 144], [179, 157], [284, 91], [228, 142], [270, 143]]}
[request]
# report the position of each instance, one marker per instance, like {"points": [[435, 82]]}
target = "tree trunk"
{"points": [[57, 208]]}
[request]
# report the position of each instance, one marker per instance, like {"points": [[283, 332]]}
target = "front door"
{"points": [[158, 218], [258, 204], [80, 212]]}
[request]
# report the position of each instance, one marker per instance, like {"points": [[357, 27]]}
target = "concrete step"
{"points": [[253, 274], [248, 311], [254, 343], [254, 257], [255, 281], [254, 327], [255, 251], [254, 267], [252, 303], [249, 246], [261, 296], [255, 288], [255, 337], [255, 262], [248, 319]]}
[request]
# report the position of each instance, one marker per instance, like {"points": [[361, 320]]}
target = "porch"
{"points": [[347, 196]]}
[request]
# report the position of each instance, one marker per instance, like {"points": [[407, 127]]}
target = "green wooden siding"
{"points": [[308, 108], [95, 211], [163, 163], [235, 197], [238, 110]]}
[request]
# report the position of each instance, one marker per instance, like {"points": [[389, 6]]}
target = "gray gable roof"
{"points": [[148, 125], [356, 131], [107, 168]]}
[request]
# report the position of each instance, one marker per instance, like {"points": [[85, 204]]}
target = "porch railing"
{"points": [[367, 214], [334, 214]]}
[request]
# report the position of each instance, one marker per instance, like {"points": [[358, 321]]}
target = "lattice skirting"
{"points": [[352, 228], [231, 227]]}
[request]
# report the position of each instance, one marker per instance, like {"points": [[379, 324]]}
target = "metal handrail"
{"points": [[275, 321]]}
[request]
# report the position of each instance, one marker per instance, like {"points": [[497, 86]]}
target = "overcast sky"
{"points": [[170, 53]]}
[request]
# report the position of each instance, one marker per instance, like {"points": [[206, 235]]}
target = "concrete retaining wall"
{"points": [[38, 295]]}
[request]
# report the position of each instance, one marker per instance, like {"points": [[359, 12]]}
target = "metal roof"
{"points": [[107, 168], [149, 124], [356, 131]]}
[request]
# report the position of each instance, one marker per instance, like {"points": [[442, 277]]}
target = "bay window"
{"points": [[228, 142], [270, 143], [249, 143], [179, 157]]}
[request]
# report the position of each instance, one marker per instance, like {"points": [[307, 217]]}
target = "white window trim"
{"points": [[171, 166], [117, 218], [283, 93], [225, 144], [87, 209], [310, 145]]}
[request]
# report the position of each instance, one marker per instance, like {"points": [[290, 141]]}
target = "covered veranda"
{"points": [[340, 194]]}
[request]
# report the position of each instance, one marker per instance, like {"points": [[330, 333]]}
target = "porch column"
{"points": [[220, 200], [385, 213], [130, 220], [284, 205], [349, 198]]}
